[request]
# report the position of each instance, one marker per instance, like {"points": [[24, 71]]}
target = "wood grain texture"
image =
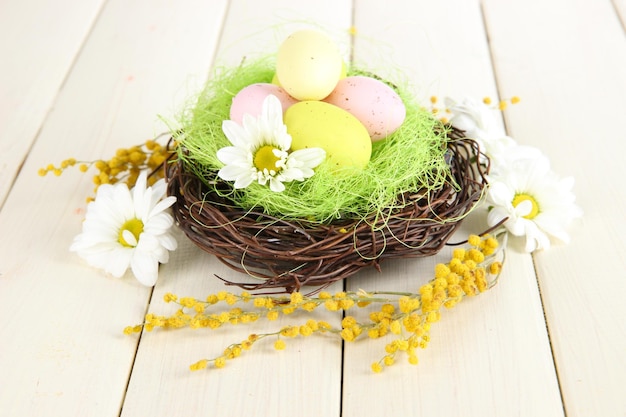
{"points": [[474, 344], [304, 378], [548, 340], [38, 48], [63, 352], [574, 90]]}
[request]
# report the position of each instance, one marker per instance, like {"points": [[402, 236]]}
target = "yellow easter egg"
{"points": [[316, 124], [342, 75], [308, 65]]}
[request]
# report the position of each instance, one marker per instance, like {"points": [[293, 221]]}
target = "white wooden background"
{"points": [[84, 77]]}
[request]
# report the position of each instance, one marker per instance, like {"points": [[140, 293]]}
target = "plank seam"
{"points": [[221, 34], [68, 71], [547, 326], [132, 365], [504, 120], [344, 283]]}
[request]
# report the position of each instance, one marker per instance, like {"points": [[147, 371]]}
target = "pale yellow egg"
{"points": [[308, 65]]}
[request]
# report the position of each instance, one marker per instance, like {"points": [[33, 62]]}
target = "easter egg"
{"points": [[249, 100], [371, 101], [316, 124], [308, 65], [343, 74]]}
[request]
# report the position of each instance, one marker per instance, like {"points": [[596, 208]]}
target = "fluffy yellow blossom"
{"points": [[231, 299], [124, 166], [201, 364], [395, 327], [408, 304], [347, 335], [305, 330], [474, 240], [290, 331], [331, 305], [169, 297], [187, 302], [310, 324], [495, 268], [324, 326], [389, 360], [259, 302], [296, 298], [388, 308], [348, 322], [441, 270], [309, 306], [408, 316]]}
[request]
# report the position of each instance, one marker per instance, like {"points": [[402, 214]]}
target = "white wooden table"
{"points": [[83, 77]]}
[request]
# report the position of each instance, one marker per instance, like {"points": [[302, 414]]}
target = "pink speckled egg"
{"points": [[250, 100], [372, 102]]}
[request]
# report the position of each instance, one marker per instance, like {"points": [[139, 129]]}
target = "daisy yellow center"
{"points": [[264, 158], [135, 227], [534, 211]]}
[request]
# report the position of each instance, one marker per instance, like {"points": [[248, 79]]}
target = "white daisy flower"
{"points": [[537, 203], [478, 122], [260, 151], [125, 228]]}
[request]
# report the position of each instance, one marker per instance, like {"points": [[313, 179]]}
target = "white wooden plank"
{"points": [[573, 91], [304, 379], [39, 41], [487, 356], [63, 352]]}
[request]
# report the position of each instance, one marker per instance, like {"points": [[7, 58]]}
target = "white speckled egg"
{"points": [[308, 65], [373, 102], [250, 100]]}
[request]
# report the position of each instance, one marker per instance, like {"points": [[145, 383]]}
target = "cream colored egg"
{"points": [[313, 124], [308, 65], [342, 75]]}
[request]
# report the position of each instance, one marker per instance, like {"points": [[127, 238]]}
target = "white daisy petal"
{"points": [[231, 155], [235, 133], [117, 261], [309, 157], [232, 172], [145, 267], [168, 242], [129, 238], [276, 185], [161, 206], [243, 180]]}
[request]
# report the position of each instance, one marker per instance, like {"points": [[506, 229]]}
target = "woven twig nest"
{"points": [[288, 254]]}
